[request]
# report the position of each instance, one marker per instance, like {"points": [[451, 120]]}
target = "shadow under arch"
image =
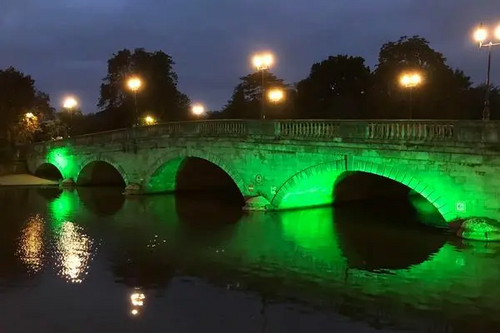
{"points": [[105, 201], [101, 173], [48, 171], [385, 235], [314, 186], [163, 174]]}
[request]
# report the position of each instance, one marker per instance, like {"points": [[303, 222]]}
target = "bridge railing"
{"points": [[304, 129]]}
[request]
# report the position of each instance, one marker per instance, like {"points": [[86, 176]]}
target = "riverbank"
{"points": [[25, 180]]}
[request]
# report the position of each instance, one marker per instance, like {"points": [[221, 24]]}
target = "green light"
{"points": [[315, 186], [64, 207], [164, 178], [313, 231], [315, 190], [63, 160]]}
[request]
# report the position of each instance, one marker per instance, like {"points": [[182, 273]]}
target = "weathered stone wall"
{"points": [[294, 164]]}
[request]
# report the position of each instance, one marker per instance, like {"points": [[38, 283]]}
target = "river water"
{"points": [[88, 260]]}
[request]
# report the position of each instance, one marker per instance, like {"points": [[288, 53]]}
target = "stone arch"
{"points": [[335, 169], [42, 164], [101, 158], [180, 154]]}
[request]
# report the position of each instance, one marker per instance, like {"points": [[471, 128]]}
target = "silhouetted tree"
{"points": [[245, 103], [477, 96], [335, 88], [442, 94], [157, 96], [19, 97]]}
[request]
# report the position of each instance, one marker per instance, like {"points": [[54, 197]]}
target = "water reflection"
{"points": [[73, 252], [103, 202], [384, 236], [31, 244], [137, 299], [50, 193], [372, 264]]}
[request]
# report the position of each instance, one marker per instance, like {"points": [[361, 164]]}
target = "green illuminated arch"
{"points": [[168, 166], [314, 186], [63, 159], [43, 163], [105, 159]]}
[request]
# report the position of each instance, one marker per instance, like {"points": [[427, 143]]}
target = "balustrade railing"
{"points": [[315, 129], [341, 130], [410, 131]]}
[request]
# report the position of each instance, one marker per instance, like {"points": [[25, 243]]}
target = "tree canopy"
{"points": [[340, 86], [441, 94], [157, 96], [246, 99], [22, 107], [335, 88]]}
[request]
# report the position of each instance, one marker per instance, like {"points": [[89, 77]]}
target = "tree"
{"points": [[335, 88], [441, 95], [158, 94], [477, 96], [245, 103], [22, 107]]}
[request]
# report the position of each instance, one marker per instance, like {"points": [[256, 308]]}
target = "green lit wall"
{"points": [[459, 182]]}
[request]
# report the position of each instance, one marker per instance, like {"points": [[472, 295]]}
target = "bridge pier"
{"points": [[257, 203], [133, 189], [67, 183]]}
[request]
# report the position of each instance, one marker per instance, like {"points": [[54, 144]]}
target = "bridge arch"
{"points": [[48, 170], [315, 185], [170, 163], [88, 168]]}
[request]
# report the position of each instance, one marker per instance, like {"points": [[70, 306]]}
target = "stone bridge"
{"points": [[291, 164]]}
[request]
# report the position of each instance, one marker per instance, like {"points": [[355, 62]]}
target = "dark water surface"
{"points": [[91, 261]]}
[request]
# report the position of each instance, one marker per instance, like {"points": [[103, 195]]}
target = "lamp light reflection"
{"points": [[73, 248], [31, 244], [137, 298]]}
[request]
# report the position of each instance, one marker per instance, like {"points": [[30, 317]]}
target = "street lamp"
{"points": [[134, 84], [480, 36], [410, 81], [149, 120], [70, 103], [198, 109], [262, 62], [276, 95], [29, 115]]}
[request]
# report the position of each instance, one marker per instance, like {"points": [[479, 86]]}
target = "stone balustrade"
{"points": [[418, 131]]}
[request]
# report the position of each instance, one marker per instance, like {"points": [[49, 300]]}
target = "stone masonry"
{"points": [[296, 163]]}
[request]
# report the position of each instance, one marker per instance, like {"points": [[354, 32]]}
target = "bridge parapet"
{"points": [[413, 131]]}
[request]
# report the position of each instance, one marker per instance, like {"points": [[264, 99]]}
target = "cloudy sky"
{"points": [[64, 44]]}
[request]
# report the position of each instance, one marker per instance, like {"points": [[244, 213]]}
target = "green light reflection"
{"points": [[64, 207]]}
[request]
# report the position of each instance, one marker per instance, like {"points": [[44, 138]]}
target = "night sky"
{"points": [[64, 44]]}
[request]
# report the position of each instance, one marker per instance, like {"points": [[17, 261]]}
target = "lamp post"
{"points": [[70, 103], [276, 95], [262, 62], [134, 84], [480, 36], [198, 109], [149, 120], [410, 81]]}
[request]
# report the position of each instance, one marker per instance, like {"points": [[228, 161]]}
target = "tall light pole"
{"points": [[70, 103], [410, 81], [262, 62], [134, 84], [198, 109], [276, 95], [480, 36]]}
